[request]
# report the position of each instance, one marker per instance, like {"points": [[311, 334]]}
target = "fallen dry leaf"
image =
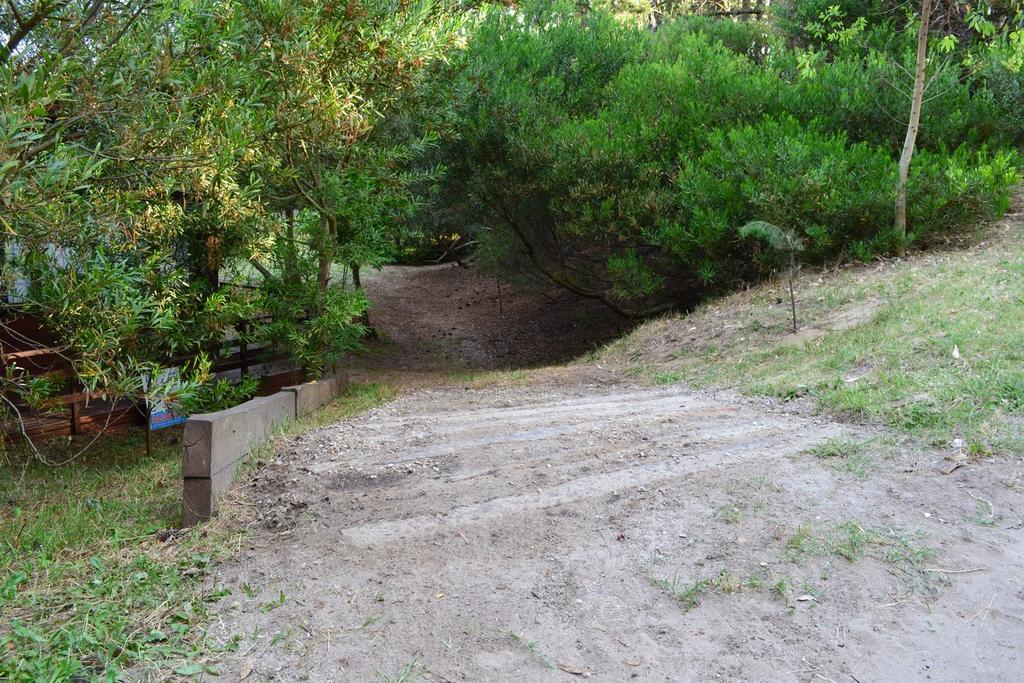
{"points": [[245, 671], [956, 465], [569, 669]]}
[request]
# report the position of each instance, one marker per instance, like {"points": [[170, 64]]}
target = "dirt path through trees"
{"points": [[439, 321], [577, 524]]}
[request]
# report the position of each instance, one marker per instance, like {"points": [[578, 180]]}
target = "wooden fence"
{"points": [[26, 343]]}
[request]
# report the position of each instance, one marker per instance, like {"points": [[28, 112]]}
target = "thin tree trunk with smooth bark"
{"points": [[916, 101], [792, 295], [291, 267], [327, 252], [364, 317]]}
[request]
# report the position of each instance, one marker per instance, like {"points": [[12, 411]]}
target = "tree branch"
{"points": [[24, 28]]}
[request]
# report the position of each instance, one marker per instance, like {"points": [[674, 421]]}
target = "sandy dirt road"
{"points": [[579, 525]]}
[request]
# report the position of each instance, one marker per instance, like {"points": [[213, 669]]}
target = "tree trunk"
{"points": [[915, 119], [291, 265], [364, 317], [792, 295], [327, 252]]}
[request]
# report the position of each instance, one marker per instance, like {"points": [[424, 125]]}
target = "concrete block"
{"points": [[200, 495], [312, 396], [215, 444], [278, 409], [197, 502], [215, 441]]}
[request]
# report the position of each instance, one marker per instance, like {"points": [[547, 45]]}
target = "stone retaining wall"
{"points": [[216, 444]]}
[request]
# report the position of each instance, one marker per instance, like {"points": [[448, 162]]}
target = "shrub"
{"points": [[624, 173], [220, 394], [754, 40], [833, 192]]}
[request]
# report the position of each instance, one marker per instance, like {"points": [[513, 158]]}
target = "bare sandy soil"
{"points": [[436, 321], [573, 523]]}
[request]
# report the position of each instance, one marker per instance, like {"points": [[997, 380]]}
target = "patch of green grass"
{"points": [[358, 398], [850, 540], [846, 455], [92, 581], [636, 370], [939, 354], [90, 589], [859, 465], [730, 514], [668, 377]]}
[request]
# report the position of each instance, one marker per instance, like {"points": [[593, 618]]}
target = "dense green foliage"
{"points": [[620, 162], [154, 157], [170, 172]]}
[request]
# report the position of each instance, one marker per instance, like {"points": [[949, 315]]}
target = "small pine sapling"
{"points": [[783, 241]]}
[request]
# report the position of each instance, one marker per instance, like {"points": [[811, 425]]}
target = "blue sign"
{"points": [[162, 412]]}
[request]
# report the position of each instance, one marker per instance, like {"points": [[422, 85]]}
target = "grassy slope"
{"points": [[87, 586], [932, 345]]}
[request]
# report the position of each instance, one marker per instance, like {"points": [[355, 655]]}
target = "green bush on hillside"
{"points": [[620, 162]]}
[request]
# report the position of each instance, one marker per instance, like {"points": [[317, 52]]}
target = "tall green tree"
{"points": [[150, 150]]}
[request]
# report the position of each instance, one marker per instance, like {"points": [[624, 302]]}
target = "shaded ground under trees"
{"points": [[447, 320]]}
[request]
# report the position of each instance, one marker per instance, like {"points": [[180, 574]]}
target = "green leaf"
{"points": [[25, 632], [777, 238], [189, 669]]}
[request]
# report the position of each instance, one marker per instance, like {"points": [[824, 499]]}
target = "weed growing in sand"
{"points": [[533, 648], [281, 636], [837, 447], [409, 672], [730, 514], [846, 455], [984, 516], [900, 550], [850, 540], [690, 594], [686, 594], [273, 604]]}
